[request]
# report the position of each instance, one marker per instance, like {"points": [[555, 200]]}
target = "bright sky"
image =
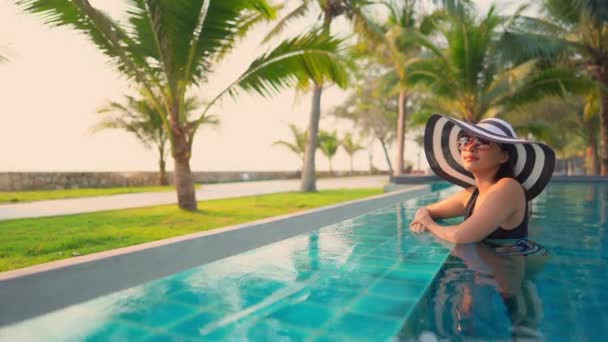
{"points": [[56, 80]]}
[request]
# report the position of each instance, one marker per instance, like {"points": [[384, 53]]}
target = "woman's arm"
{"points": [[500, 203], [452, 206]]}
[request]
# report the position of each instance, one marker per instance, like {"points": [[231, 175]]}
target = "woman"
{"points": [[500, 172]]}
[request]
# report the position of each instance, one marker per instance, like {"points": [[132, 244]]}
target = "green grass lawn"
{"points": [[26, 242], [40, 195]]}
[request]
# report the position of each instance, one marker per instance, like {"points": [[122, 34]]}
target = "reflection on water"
{"points": [[481, 294]]}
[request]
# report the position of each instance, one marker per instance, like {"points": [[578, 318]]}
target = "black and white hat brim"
{"points": [[534, 162]]}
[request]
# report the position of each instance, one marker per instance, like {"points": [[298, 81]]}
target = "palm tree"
{"points": [[569, 125], [591, 131], [578, 28], [372, 111], [476, 76], [169, 47], [391, 45], [139, 116], [327, 11], [351, 147], [298, 146], [328, 144]]}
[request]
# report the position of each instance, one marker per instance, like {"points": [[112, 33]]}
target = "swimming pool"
{"points": [[369, 278]]}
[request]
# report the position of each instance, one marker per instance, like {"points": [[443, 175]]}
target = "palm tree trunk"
{"points": [[308, 174], [162, 163], [352, 169], [181, 152], [184, 184], [604, 122], [162, 179], [388, 159], [401, 132], [331, 169], [591, 160]]}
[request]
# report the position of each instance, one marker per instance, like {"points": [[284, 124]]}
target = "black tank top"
{"points": [[518, 232]]}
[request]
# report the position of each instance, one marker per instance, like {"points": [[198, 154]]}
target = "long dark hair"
{"points": [[507, 169]]}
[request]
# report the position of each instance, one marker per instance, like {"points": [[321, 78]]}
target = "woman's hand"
{"points": [[421, 220]]}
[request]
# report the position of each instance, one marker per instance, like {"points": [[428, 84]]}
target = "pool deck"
{"points": [[206, 192]]}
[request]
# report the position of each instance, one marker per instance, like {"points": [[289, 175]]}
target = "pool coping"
{"points": [[32, 291]]}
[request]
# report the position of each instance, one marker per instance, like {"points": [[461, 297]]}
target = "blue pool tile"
{"points": [[162, 337], [325, 295], [201, 298], [158, 314], [374, 271], [116, 331], [373, 305], [272, 330], [192, 327], [376, 261], [259, 286], [348, 281], [364, 327], [412, 273], [302, 315], [394, 289], [395, 253], [166, 287], [332, 338]]}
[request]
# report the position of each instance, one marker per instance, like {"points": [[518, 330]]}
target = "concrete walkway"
{"points": [[207, 192]]}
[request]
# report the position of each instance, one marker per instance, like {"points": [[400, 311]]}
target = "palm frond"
{"points": [[569, 11], [297, 13], [351, 146], [289, 145], [311, 56], [507, 80], [328, 143], [538, 129], [549, 82], [516, 47]]}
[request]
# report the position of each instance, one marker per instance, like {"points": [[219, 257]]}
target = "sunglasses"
{"points": [[466, 141]]}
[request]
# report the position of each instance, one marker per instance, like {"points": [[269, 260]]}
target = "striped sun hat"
{"points": [[534, 162]]}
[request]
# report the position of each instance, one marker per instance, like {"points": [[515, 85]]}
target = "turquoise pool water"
{"points": [[369, 278]]}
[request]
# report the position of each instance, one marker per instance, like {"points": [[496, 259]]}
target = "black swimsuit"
{"points": [[518, 232]]}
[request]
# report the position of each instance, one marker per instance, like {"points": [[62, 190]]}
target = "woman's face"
{"points": [[478, 154]]}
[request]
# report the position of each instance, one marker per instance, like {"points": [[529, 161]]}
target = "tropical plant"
{"points": [[327, 11], [298, 146], [168, 47], [351, 147], [569, 125], [479, 73], [371, 108], [328, 144], [140, 117], [579, 30], [391, 45]]}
